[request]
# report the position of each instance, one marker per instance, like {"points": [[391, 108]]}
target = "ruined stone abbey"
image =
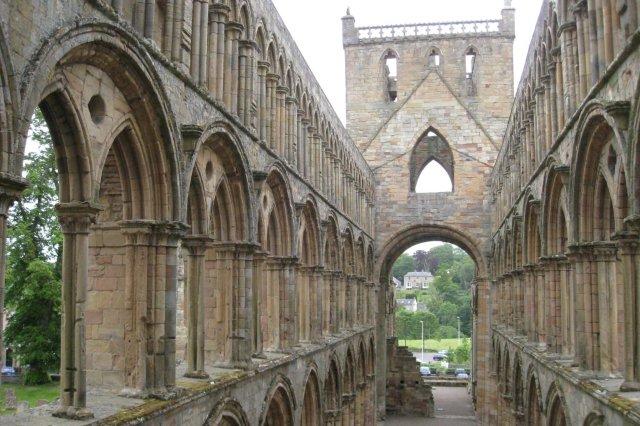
{"points": [[228, 241]]}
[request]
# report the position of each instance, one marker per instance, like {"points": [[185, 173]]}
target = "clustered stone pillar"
{"points": [[196, 247], [271, 111], [75, 220], [217, 45], [245, 80], [242, 303], [260, 300], [150, 305], [629, 249]]}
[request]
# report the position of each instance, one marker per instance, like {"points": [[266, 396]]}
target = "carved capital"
{"points": [[77, 217]]}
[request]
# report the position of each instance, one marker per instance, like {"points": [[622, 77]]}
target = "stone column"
{"points": [[272, 124], [217, 44], [327, 302], [609, 338], [150, 305], [75, 220], [580, 257], [290, 324], [582, 41], [541, 331], [567, 58], [304, 305], [260, 301], [292, 130], [245, 77], [628, 248], [318, 301], [197, 247], [263, 69], [242, 304], [196, 21], [567, 307], [303, 145], [234, 32], [334, 304], [281, 119]]}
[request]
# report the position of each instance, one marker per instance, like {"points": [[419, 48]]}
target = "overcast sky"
{"points": [[317, 29]]}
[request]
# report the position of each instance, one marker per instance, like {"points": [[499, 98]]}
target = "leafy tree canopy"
{"points": [[33, 263]]}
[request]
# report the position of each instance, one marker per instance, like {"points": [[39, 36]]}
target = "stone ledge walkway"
{"points": [[453, 408]]}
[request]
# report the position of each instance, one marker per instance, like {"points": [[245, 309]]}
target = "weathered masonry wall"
{"points": [[195, 128], [439, 109], [565, 200]]}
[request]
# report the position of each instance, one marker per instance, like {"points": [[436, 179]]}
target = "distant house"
{"points": [[396, 282], [418, 280], [410, 305]]}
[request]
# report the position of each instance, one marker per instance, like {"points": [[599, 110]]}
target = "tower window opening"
{"points": [[391, 72], [434, 59], [470, 63]]}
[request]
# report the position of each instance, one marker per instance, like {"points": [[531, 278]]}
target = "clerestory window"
{"points": [[470, 62], [434, 58], [391, 73]]}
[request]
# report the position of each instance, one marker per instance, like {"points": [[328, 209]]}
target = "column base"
{"points": [[73, 413], [630, 386], [199, 374]]}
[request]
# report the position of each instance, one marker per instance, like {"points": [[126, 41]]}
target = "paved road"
{"points": [[453, 408]]}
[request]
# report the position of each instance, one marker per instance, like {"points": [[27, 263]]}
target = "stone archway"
{"points": [[311, 403], [387, 255], [279, 411]]}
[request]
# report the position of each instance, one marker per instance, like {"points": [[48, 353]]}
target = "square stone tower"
{"points": [[438, 92]]}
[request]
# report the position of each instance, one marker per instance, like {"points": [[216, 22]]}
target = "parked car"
{"points": [[464, 376], [8, 371], [439, 357], [425, 371]]}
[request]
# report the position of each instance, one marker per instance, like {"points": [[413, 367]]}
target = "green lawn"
{"points": [[431, 345], [32, 394]]}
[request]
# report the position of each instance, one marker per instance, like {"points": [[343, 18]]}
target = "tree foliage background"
{"points": [[34, 254], [448, 297]]}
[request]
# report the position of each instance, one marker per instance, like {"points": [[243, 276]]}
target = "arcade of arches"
{"points": [[228, 241]]}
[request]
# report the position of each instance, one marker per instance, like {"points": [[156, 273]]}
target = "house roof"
{"points": [[419, 274]]}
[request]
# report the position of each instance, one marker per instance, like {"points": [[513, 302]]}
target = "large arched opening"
{"points": [[454, 243], [117, 186]]}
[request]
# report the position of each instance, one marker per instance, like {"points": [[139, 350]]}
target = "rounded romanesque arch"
{"points": [[557, 413], [333, 392], [312, 414], [518, 388], [227, 412], [600, 205], [309, 295], [415, 234], [556, 224], [276, 287], [534, 402], [118, 57], [348, 388], [219, 217], [115, 142], [595, 418], [279, 404]]}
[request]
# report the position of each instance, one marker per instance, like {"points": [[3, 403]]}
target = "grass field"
{"points": [[431, 345], [32, 394]]}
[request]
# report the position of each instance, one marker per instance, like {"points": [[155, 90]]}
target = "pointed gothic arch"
{"points": [[430, 147]]}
